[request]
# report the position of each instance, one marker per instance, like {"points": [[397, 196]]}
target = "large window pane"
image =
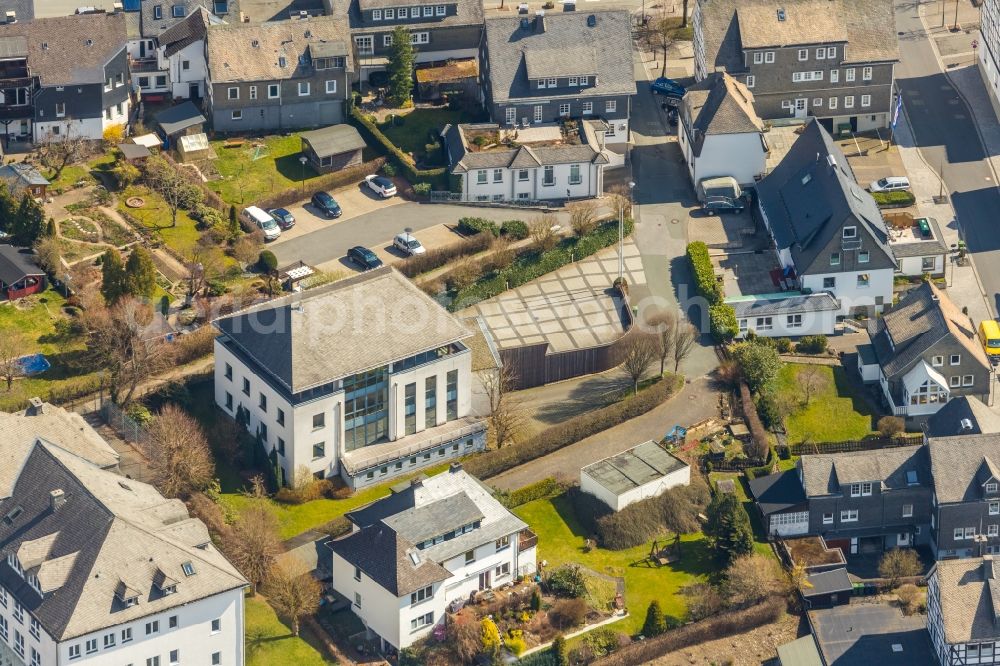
{"points": [[452, 394], [366, 412], [430, 402], [410, 408]]}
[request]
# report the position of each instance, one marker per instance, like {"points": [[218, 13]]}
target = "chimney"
{"points": [[56, 499], [35, 406], [417, 482], [11, 16], [455, 468], [540, 21]]}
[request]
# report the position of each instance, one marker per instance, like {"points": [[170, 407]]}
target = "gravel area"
{"points": [[751, 649]]}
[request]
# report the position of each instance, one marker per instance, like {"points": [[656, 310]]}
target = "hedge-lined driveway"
{"points": [[331, 242]]}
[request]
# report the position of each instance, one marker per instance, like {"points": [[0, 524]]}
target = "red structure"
{"points": [[20, 276]]}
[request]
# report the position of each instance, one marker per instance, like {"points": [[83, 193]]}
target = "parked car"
{"points": [[890, 184], [668, 87], [256, 217], [381, 185], [363, 257], [408, 245], [720, 204], [284, 219], [326, 204]]}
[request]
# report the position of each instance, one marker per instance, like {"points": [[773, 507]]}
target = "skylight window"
{"points": [[188, 568], [414, 557], [911, 478], [12, 515]]}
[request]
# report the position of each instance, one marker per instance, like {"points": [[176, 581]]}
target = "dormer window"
{"points": [[911, 477], [12, 515], [390, 14], [168, 589], [861, 489], [14, 563], [850, 232], [991, 487], [177, 11]]}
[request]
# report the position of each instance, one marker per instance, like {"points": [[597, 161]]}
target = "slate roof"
{"points": [[467, 12], [634, 468], [425, 508], [781, 304], [233, 57], [110, 531], [19, 174], [289, 336], [827, 473], [947, 421], [462, 159], [16, 265], [812, 195], [969, 597], [923, 318], [729, 26], [719, 104], [776, 493], [154, 27], [828, 582], [606, 47], [24, 10], [58, 50], [956, 463], [333, 140], [179, 117], [186, 32], [383, 555]]}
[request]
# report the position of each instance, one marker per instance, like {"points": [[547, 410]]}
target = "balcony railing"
{"points": [[526, 540], [15, 80], [16, 112], [848, 244], [145, 65]]}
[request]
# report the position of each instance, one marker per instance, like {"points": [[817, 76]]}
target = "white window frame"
{"points": [[253, 92], [828, 519], [937, 361], [907, 511], [579, 174], [831, 52], [60, 109], [365, 44], [855, 490], [418, 38], [866, 101], [751, 80], [793, 321], [834, 76], [440, 10], [994, 508], [769, 57], [331, 86], [849, 516], [866, 73], [817, 102], [611, 106], [866, 489], [306, 90], [849, 74], [237, 114], [233, 92], [588, 108], [968, 380], [832, 103], [993, 530], [482, 177], [551, 83], [763, 323], [573, 81], [538, 113], [758, 57], [864, 256], [428, 11], [955, 359], [958, 534], [564, 110], [821, 53], [386, 40], [403, 12], [849, 101], [376, 14], [511, 115], [803, 55], [990, 488], [970, 532], [497, 175], [276, 87], [389, 14]]}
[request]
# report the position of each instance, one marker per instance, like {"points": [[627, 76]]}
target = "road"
{"points": [[946, 134]]}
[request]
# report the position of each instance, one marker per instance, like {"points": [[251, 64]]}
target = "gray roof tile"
{"points": [[154, 27], [968, 597], [826, 473], [333, 140], [384, 556], [956, 463], [17, 263], [468, 12], [791, 304], [719, 104], [947, 421], [524, 156], [186, 32]]}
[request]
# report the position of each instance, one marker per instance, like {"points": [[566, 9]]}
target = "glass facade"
{"points": [[430, 402], [410, 409], [452, 395], [366, 408]]}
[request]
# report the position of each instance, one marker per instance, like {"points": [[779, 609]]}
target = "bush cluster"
{"points": [[470, 226], [811, 344], [313, 490], [547, 487], [720, 626], [327, 181], [433, 259], [894, 199], [722, 322], [568, 613], [567, 581], [514, 229], [533, 264], [372, 133], [193, 346], [704, 273], [572, 430]]}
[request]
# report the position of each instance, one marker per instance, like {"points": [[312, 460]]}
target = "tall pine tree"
{"points": [[140, 273], [114, 283], [729, 528], [401, 58], [29, 222]]}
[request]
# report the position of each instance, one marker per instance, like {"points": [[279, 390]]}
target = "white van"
{"points": [[254, 216], [890, 184]]}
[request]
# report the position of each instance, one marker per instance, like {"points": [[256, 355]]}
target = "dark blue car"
{"points": [[326, 204], [363, 257], [668, 87]]}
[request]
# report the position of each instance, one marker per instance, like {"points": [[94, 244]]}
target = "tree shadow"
{"points": [[592, 393], [66, 365], [565, 509], [290, 167], [859, 400]]}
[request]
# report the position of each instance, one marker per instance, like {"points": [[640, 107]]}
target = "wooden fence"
{"points": [[867, 444]]}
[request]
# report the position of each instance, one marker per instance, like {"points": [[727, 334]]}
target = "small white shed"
{"points": [[643, 471]]}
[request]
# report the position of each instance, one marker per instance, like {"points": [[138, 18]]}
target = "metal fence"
{"points": [[125, 426]]}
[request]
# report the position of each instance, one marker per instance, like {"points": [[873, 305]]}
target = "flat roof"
{"points": [[634, 468], [178, 118], [872, 635], [800, 652], [828, 582]]}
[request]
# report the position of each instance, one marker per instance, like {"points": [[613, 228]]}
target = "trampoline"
{"points": [[33, 364]]}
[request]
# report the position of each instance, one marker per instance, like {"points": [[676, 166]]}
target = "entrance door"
{"points": [[484, 580], [194, 91], [800, 108], [903, 539]]}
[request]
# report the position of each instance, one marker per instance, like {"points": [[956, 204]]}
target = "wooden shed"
{"points": [[332, 148]]}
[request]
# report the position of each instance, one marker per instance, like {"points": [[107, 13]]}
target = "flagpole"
{"points": [[895, 118]]}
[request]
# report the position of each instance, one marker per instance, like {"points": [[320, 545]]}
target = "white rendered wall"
{"points": [[913, 266], [180, 78], [849, 294], [680, 477], [509, 186], [740, 156], [813, 323], [90, 128]]}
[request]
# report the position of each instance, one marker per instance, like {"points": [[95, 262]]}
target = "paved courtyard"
{"points": [[571, 308]]}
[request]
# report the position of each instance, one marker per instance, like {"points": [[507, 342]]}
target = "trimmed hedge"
{"points": [[704, 273], [328, 181], [372, 133], [812, 344], [573, 430], [433, 259], [547, 487], [469, 226], [722, 322], [533, 264], [754, 425], [897, 199], [514, 229]]}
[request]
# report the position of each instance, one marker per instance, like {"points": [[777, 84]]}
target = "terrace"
{"points": [[488, 138]]}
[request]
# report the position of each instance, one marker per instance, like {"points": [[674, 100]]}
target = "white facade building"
{"points": [[644, 471], [786, 314], [362, 410], [989, 50], [425, 548], [719, 132], [528, 164], [100, 569]]}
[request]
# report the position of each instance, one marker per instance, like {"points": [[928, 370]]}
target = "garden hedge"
{"points": [[573, 430], [327, 181], [514, 229], [470, 226], [703, 271], [372, 133], [547, 487], [898, 199], [432, 259], [722, 322], [533, 264]]}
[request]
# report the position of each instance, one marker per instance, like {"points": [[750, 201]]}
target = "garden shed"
{"points": [[455, 77], [20, 276], [180, 120], [828, 588], [22, 177], [133, 152], [332, 148], [643, 471]]}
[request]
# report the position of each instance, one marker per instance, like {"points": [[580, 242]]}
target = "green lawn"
{"points": [[78, 172], [155, 216], [415, 131], [761, 544], [837, 413], [561, 539], [269, 641], [244, 180]]}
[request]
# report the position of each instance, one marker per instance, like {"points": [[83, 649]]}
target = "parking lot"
{"points": [[354, 201]]}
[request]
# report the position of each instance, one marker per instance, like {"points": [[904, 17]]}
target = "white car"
{"points": [[890, 184], [256, 217], [381, 185], [408, 245]]}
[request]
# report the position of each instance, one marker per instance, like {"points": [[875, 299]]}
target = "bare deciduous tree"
{"points": [[661, 35], [58, 151], [205, 264], [620, 199], [178, 453], [811, 380], [582, 216], [542, 234], [640, 352], [507, 418], [170, 184], [11, 348], [503, 253], [247, 247], [685, 338], [119, 344], [899, 563], [752, 578], [663, 325], [255, 543], [293, 592]]}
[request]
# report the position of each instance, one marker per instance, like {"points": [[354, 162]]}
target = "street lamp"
{"points": [[621, 231], [302, 161]]}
